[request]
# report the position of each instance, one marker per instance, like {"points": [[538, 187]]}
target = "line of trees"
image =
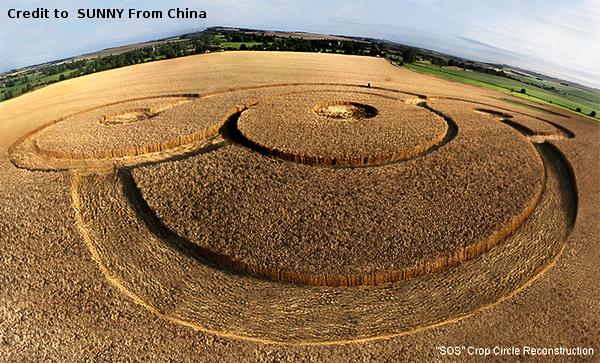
{"points": [[272, 43], [87, 66], [211, 41]]}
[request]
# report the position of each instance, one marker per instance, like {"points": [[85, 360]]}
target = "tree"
{"points": [[523, 90], [374, 52], [593, 113], [170, 53], [8, 94], [243, 46], [578, 109], [348, 48], [438, 61], [62, 77], [409, 55]]}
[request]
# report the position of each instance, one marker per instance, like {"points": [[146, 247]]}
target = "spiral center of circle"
{"points": [[128, 116], [343, 110]]}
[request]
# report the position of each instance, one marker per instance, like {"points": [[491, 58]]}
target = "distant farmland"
{"points": [[582, 100], [565, 97]]}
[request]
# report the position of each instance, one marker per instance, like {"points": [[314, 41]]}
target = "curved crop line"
{"points": [[542, 144], [567, 179], [291, 84], [206, 256], [448, 260], [169, 144], [47, 164], [493, 113], [565, 131], [552, 156], [117, 283], [527, 132], [30, 133], [153, 223], [136, 150], [230, 131], [545, 148], [332, 90]]}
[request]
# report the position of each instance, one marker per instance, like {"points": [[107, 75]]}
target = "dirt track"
{"points": [[71, 273]]}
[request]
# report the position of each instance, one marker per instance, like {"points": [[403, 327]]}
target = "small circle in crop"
{"points": [[345, 110]]}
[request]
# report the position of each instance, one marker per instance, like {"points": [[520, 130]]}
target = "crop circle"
{"points": [[304, 128], [325, 207], [347, 226]]}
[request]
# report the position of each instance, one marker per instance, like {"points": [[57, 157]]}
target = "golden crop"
{"points": [[212, 189]]}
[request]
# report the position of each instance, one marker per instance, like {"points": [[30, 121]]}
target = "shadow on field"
{"points": [[554, 158], [159, 229]]}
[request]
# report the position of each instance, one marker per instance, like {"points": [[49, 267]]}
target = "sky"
{"points": [[559, 38]]}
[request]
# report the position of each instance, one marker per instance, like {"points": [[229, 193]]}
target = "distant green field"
{"points": [[569, 97], [237, 45], [526, 105], [576, 94], [36, 79]]}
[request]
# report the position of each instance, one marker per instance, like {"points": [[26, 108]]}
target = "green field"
{"points": [[527, 105], [565, 97], [36, 79], [236, 45]]}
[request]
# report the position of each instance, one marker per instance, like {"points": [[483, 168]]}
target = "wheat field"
{"points": [[297, 206]]}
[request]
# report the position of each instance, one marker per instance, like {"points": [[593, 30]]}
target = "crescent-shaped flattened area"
{"points": [[154, 268]]}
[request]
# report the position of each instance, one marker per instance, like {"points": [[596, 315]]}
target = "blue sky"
{"points": [[556, 37]]}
